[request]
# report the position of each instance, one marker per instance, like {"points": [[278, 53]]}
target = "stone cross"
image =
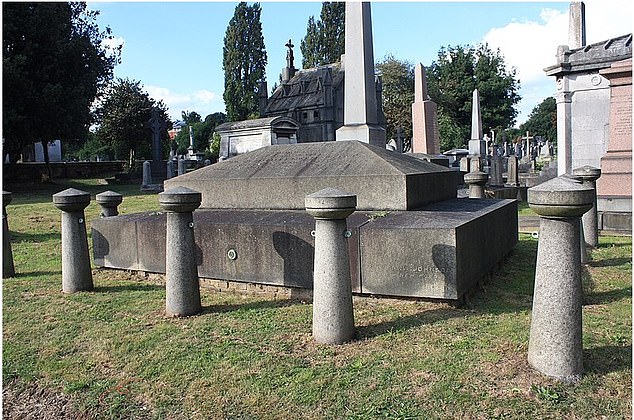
{"points": [[555, 344], [156, 124], [333, 317], [290, 57], [360, 106]]}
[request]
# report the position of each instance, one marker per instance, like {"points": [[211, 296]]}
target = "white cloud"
{"points": [[204, 102], [531, 46]]}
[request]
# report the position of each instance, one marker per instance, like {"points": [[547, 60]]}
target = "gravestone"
{"points": [[158, 169], [496, 171], [513, 172], [477, 146], [8, 268], [360, 106], [425, 134]]}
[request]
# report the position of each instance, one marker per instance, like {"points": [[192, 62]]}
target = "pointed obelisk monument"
{"points": [[425, 134], [477, 146], [360, 117]]}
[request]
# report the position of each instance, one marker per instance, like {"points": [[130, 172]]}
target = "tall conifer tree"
{"points": [[324, 42], [244, 61]]}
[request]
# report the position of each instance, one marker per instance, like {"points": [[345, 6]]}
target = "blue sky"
{"points": [[175, 48]]}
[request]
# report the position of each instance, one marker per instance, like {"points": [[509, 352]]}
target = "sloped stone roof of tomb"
{"points": [[305, 89], [257, 123]]}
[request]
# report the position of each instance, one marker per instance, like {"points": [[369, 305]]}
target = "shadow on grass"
{"points": [[35, 237], [263, 304], [411, 321], [607, 359], [609, 296], [615, 244], [35, 273], [610, 262], [128, 288]]}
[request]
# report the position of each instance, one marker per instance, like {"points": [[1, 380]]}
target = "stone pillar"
{"points": [[476, 181], [589, 176], [333, 319], [477, 146], [109, 201], [170, 168], [182, 291], [147, 173], [496, 170], [425, 135], [555, 347], [512, 178], [8, 269], [76, 273], [181, 166], [360, 106]]}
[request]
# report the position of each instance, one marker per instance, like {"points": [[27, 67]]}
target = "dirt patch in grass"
{"points": [[32, 402]]}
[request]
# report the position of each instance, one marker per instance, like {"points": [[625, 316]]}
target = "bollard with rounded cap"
{"points": [[555, 347], [76, 273], [182, 290], [589, 176], [109, 201], [8, 269], [333, 318], [476, 181]]}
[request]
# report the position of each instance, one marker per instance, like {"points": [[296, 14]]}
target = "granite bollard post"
{"points": [[109, 201], [8, 269], [76, 272], [476, 181], [333, 318], [182, 289], [589, 176], [555, 345]]}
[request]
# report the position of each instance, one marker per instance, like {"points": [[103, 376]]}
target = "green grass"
{"points": [[116, 355]]}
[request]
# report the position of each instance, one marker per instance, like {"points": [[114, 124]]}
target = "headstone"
{"points": [[476, 181], [147, 174], [156, 124], [360, 107], [477, 146], [109, 201], [425, 134], [181, 166], [170, 168], [182, 289], [8, 269], [555, 345], [76, 272], [512, 178], [333, 318], [400, 139], [589, 176], [496, 170]]}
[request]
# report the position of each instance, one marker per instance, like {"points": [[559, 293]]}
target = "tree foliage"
{"points": [[398, 94], [55, 63], [203, 133], [123, 117], [324, 42], [452, 79], [542, 120], [244, 61]]}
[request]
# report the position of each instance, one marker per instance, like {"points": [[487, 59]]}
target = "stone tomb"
{"points": [[410, 235]]}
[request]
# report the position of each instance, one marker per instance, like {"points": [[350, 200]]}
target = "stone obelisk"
{"points": [[425, 134], [360, 106], [477, 146]]}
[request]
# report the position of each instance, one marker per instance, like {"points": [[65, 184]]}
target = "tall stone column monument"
{"points": [[360, 116], [425, 134]]}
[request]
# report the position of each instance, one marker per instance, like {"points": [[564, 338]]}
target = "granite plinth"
{"points": [[439, 252], [279, 177]]}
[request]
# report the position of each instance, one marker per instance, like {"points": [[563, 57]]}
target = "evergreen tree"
{"points": [[452, 79], [54, 66], [542, 120], [398, 94], [244, 61], [324, 42]]}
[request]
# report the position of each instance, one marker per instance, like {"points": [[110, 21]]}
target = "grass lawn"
{"points": [[112, 353]]}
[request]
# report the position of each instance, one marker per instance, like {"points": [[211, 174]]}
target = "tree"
{"points": [[203, 133], [244, 60], [191, 117], [398, 94], [542, 120], [123, 115], [324, 42], [55, 64], [452, 79]]}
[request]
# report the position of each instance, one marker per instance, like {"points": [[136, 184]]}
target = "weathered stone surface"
{"points": [[476, 181], [109, 201], [589, 176], [279, 177], [563, 196]]}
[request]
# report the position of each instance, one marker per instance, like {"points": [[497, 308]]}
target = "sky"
{"points": [[175, 48]]}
